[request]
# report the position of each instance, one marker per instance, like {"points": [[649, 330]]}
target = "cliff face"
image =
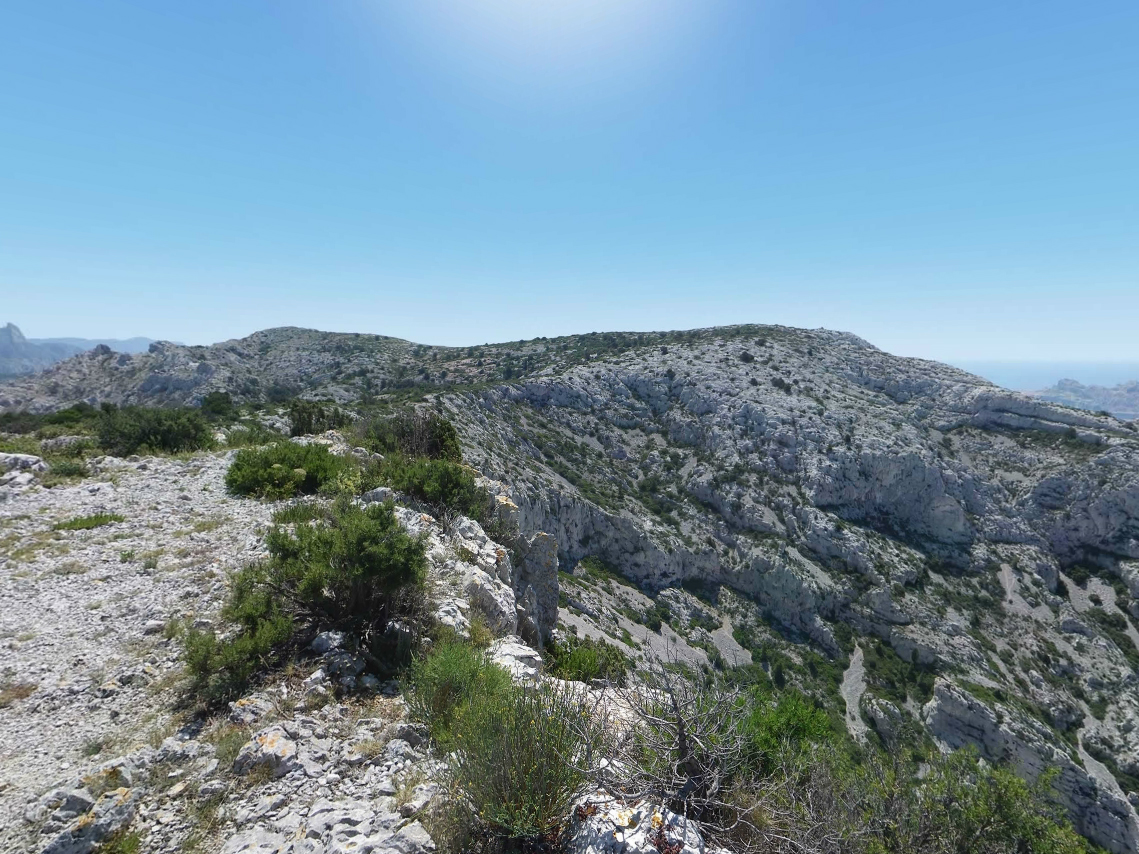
{"points": [[963, 559]]}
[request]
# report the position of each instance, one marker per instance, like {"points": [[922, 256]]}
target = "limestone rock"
{"points": [[521, 661], [601, 824], [270, 748], [113, 810]]}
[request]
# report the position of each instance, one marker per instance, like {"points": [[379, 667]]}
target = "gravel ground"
{"points": [[84, 612]]}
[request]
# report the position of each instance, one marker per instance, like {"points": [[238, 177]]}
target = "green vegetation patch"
{"points": [[283, 470], [585, 659], [135, 429], [85, 523], [357, 571]]}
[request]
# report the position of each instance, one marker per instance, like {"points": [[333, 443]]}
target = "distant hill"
{"points": [[20, 355], [1122, 400], [119, 345]]}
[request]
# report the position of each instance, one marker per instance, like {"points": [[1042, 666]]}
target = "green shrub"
{"points": [[221, 668], [307, 417], [347, 572], [886, 805], [85, 523], [357, 571], [412, 434], [656, 616], [218, 406], [300, 512], [977, 807], [132, 429], [283, 470], [518, 759], [439, 482], [445, 680], [79, 418], [65, 468], [249, 434], [790, 723], [585, 659]]}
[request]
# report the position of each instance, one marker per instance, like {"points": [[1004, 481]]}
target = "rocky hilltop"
{"points": [[928, 555]]}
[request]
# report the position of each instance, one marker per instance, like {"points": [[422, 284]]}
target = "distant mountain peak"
{"points": [[20, 355]]}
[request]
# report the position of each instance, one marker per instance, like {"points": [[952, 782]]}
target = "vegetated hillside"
{"points": [[927, 555], [1121, 400], [277, 364]]}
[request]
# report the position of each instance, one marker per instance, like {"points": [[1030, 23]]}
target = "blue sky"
{"points": [[948, 180]]}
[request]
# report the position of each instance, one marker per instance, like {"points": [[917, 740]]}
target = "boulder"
{"points": [[22, 462], [114, 810], [270, 748], [536, 588], [522, 662], [494, 599]]}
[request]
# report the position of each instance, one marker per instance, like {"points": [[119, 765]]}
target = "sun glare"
{"points": [[540, 42]]}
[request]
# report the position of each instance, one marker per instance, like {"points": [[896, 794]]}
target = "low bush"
{"points": [[815, 801], [221, 668], [250, 434], [66, 467], [520, 757], [283, 470], [307, 417], [80, 418], [132, 429], [357, 571], [11, 691], [656, 616], [791, 723], [439, 482], [445, 680], [413, 433], [218, 406], [585, 659], [775, 777]]}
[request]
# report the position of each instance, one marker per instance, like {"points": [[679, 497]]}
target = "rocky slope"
{"points": [[929, 555], [1122, 400], [855, 497], [92, 737]]}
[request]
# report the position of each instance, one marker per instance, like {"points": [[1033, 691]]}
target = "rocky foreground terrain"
{"points": [[92, 736], [930, 556]]}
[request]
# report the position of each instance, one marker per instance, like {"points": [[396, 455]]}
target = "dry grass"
{"points": [[10, 692]]}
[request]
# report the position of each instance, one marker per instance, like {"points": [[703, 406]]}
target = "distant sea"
{"points": [[1034, 376]]}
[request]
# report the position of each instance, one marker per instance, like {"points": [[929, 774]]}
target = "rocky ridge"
{"points": [[796, 501]]}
